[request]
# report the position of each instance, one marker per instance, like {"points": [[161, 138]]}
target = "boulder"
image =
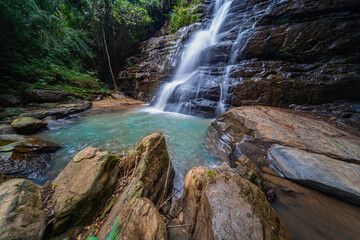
{"points": [[27, 125], [297, 145], [144, 222], [82, 188], [25, 157], [7, 100], [153, 179], [219, 204], [41, 95], [21, 215]]}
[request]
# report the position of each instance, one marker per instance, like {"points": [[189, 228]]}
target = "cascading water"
{"points": [[190, 70]]}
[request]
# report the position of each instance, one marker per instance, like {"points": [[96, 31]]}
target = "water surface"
{"points": [[116, 132]]}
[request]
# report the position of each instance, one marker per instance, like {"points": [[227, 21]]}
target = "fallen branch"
{"points": [[178, 226]]}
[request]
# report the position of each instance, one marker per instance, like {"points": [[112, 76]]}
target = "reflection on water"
{"points": [[312, 215], [185, 136]]}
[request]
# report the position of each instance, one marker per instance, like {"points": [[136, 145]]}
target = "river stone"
{"points": [[83, 187], [318, 171], [25, 157], [21, 215], [152, 179], [6, 129], [254, 131], [219, 204], [144, 222], [26, 125]]}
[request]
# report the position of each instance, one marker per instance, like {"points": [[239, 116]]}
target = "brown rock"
{"points": [[82, 188], [25, 157], [291, 143], [219, 204], [144, 222], [152, 179]]}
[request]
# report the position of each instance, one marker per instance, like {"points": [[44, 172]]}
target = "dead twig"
{"points": [[171, 196]]}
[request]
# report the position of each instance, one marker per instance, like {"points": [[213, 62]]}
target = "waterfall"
{"points": [[191, 60]]}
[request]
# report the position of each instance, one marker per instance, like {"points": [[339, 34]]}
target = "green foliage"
{"points": [[113, 235], [46, 43], [185, 13], [38, 47]]}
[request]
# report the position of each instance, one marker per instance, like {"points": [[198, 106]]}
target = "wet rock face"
{"points": [[157, 60], [25, 157], [297, 145], [21, 210], [219, 204], [271, 52]]}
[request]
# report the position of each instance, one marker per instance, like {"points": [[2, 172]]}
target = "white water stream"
{"points": [[192, 55]]}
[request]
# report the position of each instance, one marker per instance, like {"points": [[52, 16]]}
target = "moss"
{"points": [[6, 142], [184, 14], [108, 208], [19, 210]]}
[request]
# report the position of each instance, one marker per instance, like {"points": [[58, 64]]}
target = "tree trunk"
{"points": [[108, 58]]}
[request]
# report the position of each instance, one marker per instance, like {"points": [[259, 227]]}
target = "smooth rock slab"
{"points": [[21, 215], [144, 222], [318, 171]]}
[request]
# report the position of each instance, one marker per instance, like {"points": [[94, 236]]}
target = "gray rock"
{"points": [[318, 171], [21, 215]]}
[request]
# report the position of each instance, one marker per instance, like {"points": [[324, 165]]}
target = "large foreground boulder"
{"points": [[25, 157], [21, 215], [144, 222], [153, 178], [299, 146], [219, 204], [28, 125], [82, 188]]}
